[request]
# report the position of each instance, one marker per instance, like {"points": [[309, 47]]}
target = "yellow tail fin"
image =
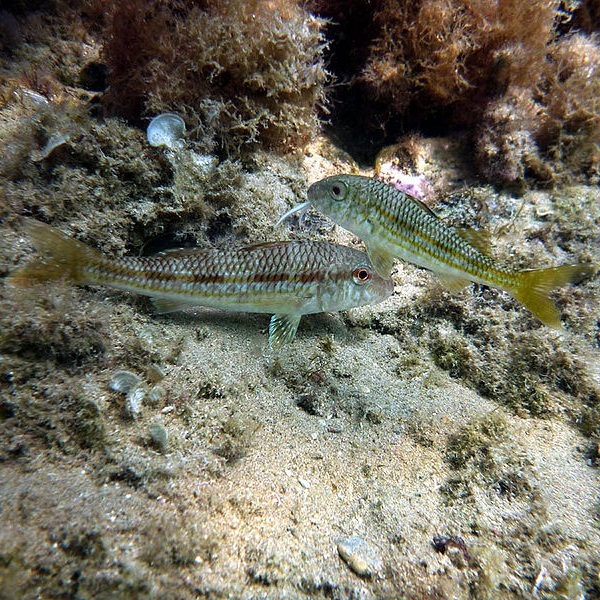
{"points": [[63, 257], [537, 285]]}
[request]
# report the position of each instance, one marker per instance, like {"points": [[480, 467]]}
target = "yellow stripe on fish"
{"points": [[396, 225], [289, 279]]}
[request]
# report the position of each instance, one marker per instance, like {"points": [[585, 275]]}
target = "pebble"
{"points": [[361, 556]]}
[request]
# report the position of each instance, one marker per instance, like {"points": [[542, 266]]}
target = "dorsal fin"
{"points": [[478, 238], [422, 205], [274, 244], [178, 252]]}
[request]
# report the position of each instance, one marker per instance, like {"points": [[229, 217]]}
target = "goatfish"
{"points": [[288, 279], [393, 224]]}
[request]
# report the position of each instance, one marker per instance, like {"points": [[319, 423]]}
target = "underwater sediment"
{"points": [[436, 445]]}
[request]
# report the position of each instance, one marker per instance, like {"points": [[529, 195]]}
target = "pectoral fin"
{"points": [[282, 329], [382, 260]]}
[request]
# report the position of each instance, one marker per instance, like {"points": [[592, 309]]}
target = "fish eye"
{"points": [[361, 275], [337, 190]]}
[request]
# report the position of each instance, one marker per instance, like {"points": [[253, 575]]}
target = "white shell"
{"points": [[167, 129], [123, 381]]}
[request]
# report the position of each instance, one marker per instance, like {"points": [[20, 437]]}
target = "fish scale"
{"points": [[395, 225], [289, 279], [259, 269], [408, 224]]}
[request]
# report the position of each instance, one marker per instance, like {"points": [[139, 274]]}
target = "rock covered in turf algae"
{"points": [[242, 72]]}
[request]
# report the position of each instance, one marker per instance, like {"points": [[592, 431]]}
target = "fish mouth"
{"points": [[301, 208]]}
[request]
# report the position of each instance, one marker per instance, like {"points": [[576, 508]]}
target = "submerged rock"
{"points": [[361, 556]]}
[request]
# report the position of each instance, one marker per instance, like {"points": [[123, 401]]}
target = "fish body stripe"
{"points": [[311, 276]]}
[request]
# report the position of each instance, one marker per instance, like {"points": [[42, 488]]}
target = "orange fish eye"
{"points": [[361, 275]]}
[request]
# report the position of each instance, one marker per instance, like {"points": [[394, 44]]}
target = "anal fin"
{"points": [[453, 283], [282, 329], [168, 305]]}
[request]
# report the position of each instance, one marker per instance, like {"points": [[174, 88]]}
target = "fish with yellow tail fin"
{"points": [[396, 225], [288, 279]]}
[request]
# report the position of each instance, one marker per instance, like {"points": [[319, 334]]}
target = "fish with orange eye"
{"points": [[288, 279]]}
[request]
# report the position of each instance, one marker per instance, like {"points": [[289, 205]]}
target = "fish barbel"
{"points": [[393, 224], [288, 279]]}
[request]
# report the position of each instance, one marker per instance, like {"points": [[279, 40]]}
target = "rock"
{"points": [[361, 556]]}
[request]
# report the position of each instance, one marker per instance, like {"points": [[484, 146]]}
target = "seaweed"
{"points": [[242, 73], [60, 328], [513, 74]]}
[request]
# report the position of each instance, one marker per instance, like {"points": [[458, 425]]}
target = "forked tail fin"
{"points": [[537, 285], [63, 257]]}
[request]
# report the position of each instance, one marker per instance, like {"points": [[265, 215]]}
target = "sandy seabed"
{"points": [[446, 445]]}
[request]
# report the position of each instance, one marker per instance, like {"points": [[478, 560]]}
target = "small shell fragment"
{"points": [[123, 381], [55, 141], [133, 402], [304, 483], [156, 395], [167, 130], [159, 436], [362, 557], [31, 98]]}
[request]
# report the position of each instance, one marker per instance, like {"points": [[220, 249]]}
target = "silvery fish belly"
{"points": [[396, 225], [289, 279]]}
